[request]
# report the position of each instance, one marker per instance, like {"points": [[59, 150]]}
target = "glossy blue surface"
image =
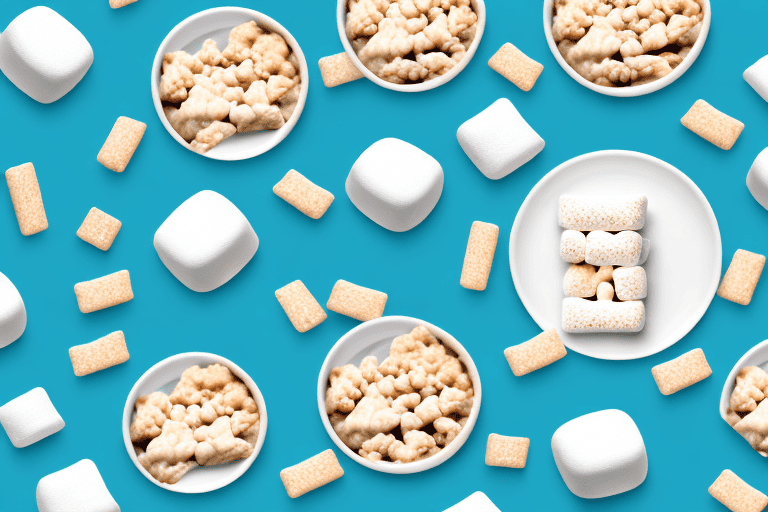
{"points": [[688, 444]]}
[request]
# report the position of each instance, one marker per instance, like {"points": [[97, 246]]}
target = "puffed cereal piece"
{"points": [[709, 123], [740, 280], [26, 198], [603, 213], [314, 472], [338, 69], [507, 452], [573, 246], [99, 229], [302, 309], [538, 352], [736, 494], [630, 283], [99, 355], [121, 143], [356, 301], [622, 249], [310, 199], [516, 66], [104, 292], [478, 258], [681, 372], [586, 316]]}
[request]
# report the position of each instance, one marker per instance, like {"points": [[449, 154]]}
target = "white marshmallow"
{"points": [[77, 488], [592, 316], [13, 315], [630, 283], [29, 418], [43, 54], [600, 454], [476, 502], [498, 140], [395, 184], [622, 249], [206, 241], [573, 246], [756, 75], [757, 179]]}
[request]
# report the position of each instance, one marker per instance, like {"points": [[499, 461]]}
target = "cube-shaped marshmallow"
{"points": [[757, 178], [476, 502], [395, 184], [29, 418], [77, 488], [600, 454], [498, 140], [206, 241], [13, 315], [43, 54], [756, 75]]}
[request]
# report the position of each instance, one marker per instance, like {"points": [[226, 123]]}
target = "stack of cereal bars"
{"points": [[605, 281]]}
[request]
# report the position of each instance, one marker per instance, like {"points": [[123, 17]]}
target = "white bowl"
{"points": [[216, 24], [341, 20], [163, 377], [628, 91], [373, 338], [683, 267], [756, 356]]}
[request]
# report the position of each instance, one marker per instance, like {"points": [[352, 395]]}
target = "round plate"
{"points": [[373, 338], [683, 268], [163, 377], [216, 24]]}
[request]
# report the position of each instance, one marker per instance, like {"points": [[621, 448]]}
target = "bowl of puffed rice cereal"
{"points": [[229, 83], [626, 47], [410, 46]]}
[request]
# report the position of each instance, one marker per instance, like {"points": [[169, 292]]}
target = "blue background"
{"points": [[688, 444]]}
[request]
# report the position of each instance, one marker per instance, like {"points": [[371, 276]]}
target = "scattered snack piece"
{"points": [[302, 309], [356, 301], [338, 69], [507, 452], [104, 292], [116, 4], [573, 246], [622, 249], [740, 280], [583, 280], [302, 194], [630, 283], [98, 355], [99, 229], [736, 494], [603, 213], [314, 472], [538, 352], [602, 315], [29, 418], [479, 256], [121, 143], [26, 198], [709, 123], [78, 487], [679, 373], [516, 66], [756, 76]]}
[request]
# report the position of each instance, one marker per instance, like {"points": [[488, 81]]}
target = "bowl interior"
{"points": [[374, 338], [677, 298], [163, 377], [341, 19], [216, 24], [756, 356], [639, 90]]}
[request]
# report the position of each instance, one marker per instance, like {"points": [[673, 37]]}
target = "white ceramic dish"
{"points": [[639, 90], [373, 338], [756, 356], [163, 377], [216, 24], [341, 20], [683, 268]]}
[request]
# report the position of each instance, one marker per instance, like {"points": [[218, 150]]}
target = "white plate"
{"points": [[163, 377], [216, 24], [373, 338], [756, 356], [683, 267]]}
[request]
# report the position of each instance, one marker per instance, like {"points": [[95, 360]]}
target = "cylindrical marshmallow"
{"points": [[583, 280], [573, 245], [630, 283], [607, 213], [622, 249], [602, 316]]}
